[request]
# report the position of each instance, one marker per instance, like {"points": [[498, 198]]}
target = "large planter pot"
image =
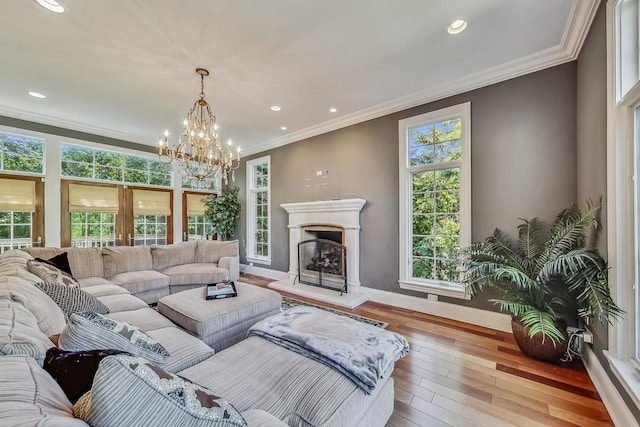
{"points": [[535, 347]]}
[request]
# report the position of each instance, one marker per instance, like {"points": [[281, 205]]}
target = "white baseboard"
{"points": [[474, 316], [620, 413], [264, 272]]}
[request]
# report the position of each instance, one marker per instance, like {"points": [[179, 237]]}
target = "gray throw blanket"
{"points": [[359, 351]]}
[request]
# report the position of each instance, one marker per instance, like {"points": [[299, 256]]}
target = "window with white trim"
{"points": [[259, 210], [435, 199], [623, 195], [103, 165]]}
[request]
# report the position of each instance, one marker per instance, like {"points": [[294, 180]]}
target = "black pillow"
{"points": [[60, 261], [74, 370]]}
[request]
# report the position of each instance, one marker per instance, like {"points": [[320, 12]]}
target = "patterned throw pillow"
{"points": [[49, 273], [130, 391], [72, 300], [90, 331]]}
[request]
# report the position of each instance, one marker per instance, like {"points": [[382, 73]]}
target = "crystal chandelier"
{"points": [[199, 152]]}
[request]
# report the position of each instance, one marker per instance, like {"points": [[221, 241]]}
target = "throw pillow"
{"points": [[60, 261], [90, 331], [74, 370], [72, 300], [49, 273], [130, 391]]}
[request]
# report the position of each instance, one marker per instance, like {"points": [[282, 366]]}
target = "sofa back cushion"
{"points": [[144, 394], [177, 254], [122, 259], [84, 262], [49, 316], [213, 250], [19, 332]]}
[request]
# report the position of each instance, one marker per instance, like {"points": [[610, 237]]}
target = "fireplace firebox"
{"points": [[323, 262]]}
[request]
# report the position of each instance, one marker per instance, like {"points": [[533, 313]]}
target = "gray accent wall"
{"points": [[523, 165], [592, 156]]}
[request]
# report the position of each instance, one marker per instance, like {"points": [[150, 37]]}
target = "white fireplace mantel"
{"points": [[339, 213]]}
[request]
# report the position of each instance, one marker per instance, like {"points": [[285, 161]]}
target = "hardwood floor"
{"points": [[458, 374]]}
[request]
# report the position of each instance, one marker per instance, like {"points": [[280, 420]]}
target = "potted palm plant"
{"points": [[539, 273]]}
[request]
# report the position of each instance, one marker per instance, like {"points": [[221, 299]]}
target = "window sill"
{"points": [[255, 260], [444, 289], [627, 375]]}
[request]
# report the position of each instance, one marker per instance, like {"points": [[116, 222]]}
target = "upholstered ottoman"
{"points": [[220, 323]]}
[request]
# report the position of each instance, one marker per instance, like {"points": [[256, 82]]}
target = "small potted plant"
{"points": [[541, 272], [223, 211]]}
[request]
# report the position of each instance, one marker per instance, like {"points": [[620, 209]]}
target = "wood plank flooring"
{"points": [[458, 374]]}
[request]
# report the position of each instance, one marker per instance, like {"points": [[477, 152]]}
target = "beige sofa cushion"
{"points": [[29, 396], [49, 316], [169, 255], [185, 349], [195, 274], [137, 282], [19, 333], [123, 259], [213, 250]]}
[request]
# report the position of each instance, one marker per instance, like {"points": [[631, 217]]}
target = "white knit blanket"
{"points": [[359, 351]]}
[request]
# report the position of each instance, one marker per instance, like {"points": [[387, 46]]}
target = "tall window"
{"points": [[103, 165], [434, 199], [21, 212], [259, 210], [623, 194]]}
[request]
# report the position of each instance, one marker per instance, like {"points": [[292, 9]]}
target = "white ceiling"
{"points": [[125, 68]]}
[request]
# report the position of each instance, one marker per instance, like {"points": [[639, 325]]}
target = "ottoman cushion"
{"points": [[224, 322]]}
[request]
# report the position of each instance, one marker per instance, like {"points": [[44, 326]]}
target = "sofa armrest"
{"points": [[232, 264]]}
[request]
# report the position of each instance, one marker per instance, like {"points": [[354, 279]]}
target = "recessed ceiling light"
{"points": [[457, 26], [283, 128], [51, 5], [276, 108], [37, 95], [333, 110]]}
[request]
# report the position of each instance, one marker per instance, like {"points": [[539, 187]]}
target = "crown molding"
{"points": [[44, 119], [580, 19]]}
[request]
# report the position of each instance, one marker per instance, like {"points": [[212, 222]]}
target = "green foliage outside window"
{"points": [[83, 162], [21, 153], [434, 150]]}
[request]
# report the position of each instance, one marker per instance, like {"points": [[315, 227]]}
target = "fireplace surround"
{"points": [[328, 215]]}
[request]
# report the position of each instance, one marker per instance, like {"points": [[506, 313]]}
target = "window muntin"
{"points": [[93, 229], [85, 162], [198, 227], [434, 198], [15, 230], [21, 153], [150, 229], [258, 210]]}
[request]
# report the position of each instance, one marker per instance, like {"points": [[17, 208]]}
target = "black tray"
{"points": [[221, 290]]}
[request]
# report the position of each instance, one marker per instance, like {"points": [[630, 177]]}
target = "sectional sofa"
{"points": [[269, 385], [151, 272]]}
